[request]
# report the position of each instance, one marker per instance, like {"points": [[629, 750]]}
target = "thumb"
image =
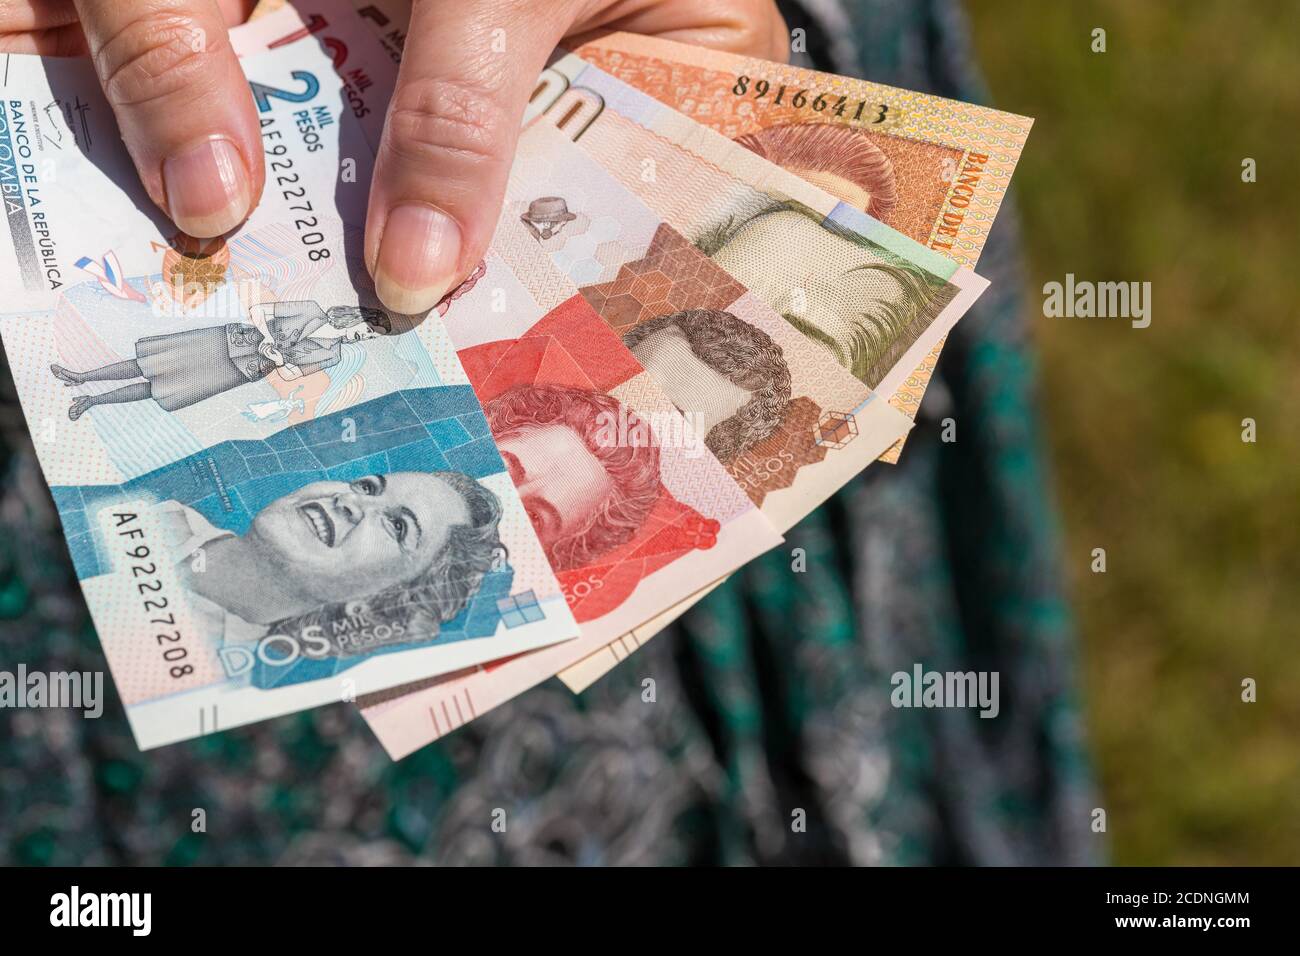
{"points": [[449, 140], [183, 105]]}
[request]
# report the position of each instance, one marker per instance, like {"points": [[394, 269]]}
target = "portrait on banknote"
{"points": [[862, 302], [758, 393], [588, 466], [585, 495], [727, 376], [337, 568]]}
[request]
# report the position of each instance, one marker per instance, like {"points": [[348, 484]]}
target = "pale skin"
{"points": [[560, 482], [188, 119]]}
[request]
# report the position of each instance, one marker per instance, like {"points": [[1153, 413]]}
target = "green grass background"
{"points": [[1133, 172]]}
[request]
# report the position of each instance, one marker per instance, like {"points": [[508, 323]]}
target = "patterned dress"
{"points": [[770, 737]]}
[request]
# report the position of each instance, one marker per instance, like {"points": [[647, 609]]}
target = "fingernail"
{"points": [[208, 191], [417, 259]]}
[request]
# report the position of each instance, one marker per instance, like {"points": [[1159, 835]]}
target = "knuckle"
{"points": [[755, 28], [752, 36], [151, 58], [433, 120]]}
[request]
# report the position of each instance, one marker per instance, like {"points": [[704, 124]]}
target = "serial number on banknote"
{"points": [[150, 588], [863, 111], [289, 183]]}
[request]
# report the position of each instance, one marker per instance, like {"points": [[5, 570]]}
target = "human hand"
{"points": [[179, 95], [188, 119], [268, 351], [450, 135]]}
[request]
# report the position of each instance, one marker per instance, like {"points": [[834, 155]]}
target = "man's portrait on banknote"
{"points": [[726, 376], [180, 369], [340, 567], [866, 305]]}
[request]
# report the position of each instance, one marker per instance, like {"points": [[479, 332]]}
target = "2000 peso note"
{"points": [[275, 493]]}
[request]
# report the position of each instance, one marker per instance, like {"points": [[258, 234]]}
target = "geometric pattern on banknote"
{"points": [[773, 463], [672, 276], [229, 484], [519, 609], [836, 429], [572, 350]]}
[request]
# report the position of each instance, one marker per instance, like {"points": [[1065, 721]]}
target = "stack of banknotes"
{"points": [[716, 294]]}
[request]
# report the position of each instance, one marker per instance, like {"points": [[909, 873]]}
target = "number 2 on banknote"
{"points": [[263, 94]]}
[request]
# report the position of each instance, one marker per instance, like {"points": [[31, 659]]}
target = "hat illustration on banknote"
{"points": [[546, 216]]}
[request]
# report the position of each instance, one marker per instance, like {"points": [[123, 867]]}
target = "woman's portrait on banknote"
{"points": [[863, 303], [180, 369], [352, 564], [584, 495]]}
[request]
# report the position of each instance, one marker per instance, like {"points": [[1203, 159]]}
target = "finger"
{"points": [[183, 105], [747, 27], [43, 27], [51, 28], [448, 141]]}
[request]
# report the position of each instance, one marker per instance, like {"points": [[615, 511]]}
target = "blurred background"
{"points": [[1133, 172]]}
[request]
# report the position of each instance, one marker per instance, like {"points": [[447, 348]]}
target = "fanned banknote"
{"points": [[568, 396], [635, 512], [935, 169], [276, 495], [861, 294], [404, 724], [585, 103], [878, 300], [791, 425]]}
